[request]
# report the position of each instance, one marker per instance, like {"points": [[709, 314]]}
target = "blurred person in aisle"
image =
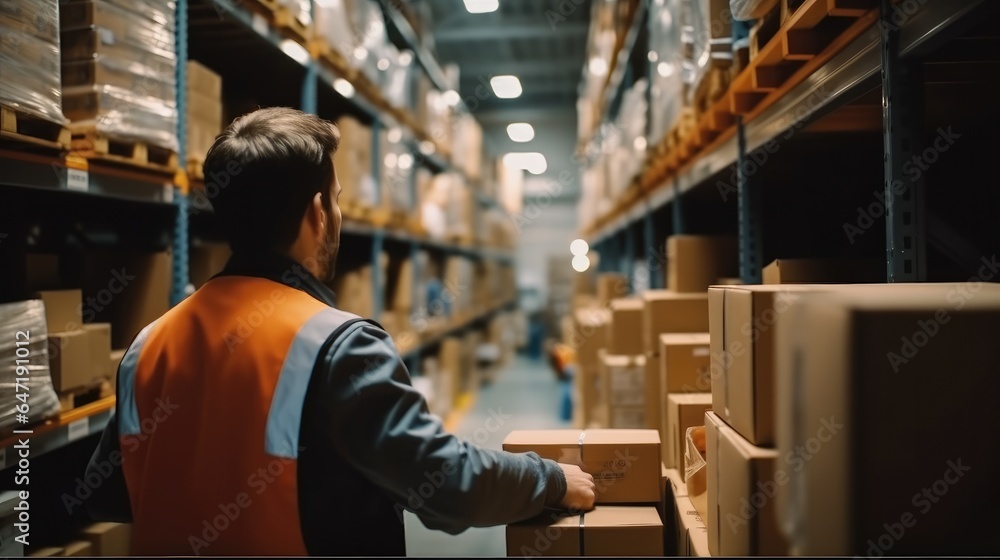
{"points": [[254, 418], [562, 360]]}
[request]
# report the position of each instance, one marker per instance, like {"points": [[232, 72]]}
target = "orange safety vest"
{"points": [[209, 406]]}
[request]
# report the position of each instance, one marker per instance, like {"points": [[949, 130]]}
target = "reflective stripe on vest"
{"points": [[128, 419], [285, 416]]}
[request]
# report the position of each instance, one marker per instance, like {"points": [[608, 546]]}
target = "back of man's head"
{"points": [[265, 169]]}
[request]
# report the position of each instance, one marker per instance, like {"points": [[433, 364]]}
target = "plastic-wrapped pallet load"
{"points": [[25, 368], [667, 91], [29, 58], [119, 69], [745, 10], [334, 24]]}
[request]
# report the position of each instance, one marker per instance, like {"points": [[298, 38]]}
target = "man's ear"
{"points": [[317, 213]]}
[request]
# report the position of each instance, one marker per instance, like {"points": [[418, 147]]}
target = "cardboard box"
{"points": [[684, 410], [688, 519], [62, 310], [625, 331], [671, 312], [742, 326], [70, 362], [625, 381], [742, 484], [128, 290], [653, 403], [822, 271], [203, 80], [625, 463], [611, 286], [99, 337], [694, 262], [588, 386], [109, 539], [684, 364], [605, 531], [590, 335], [886, 400], [450, 362], [48, 552], [78, 548]]}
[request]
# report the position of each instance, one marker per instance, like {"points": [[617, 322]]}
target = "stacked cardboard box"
{"points": [[589, 337], [118, 69], [694, 262], [627, 470], [29, 58], [204, 110], [823, 271], [467, 153], [623, 367], [79, 354], [353, 164]]}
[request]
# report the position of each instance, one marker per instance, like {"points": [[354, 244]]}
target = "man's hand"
{"points": [[580, 489]]}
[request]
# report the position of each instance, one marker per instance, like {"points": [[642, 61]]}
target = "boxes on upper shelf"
{"points": [[694, 262], [624, 381], [822, 271], [685, 363], [666, 311], [625, 330], [625, 464], [683, 410], [610, 286]]}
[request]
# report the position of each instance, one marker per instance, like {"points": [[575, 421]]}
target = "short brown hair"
{"points": [[266, 167]]}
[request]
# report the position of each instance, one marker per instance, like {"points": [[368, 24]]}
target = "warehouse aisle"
{"points": [[527, 392]]}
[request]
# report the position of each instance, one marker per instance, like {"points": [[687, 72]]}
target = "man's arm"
{"points": [[381, 425], [109, 501]]}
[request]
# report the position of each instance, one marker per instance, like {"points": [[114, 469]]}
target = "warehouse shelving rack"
{"points": [[220, 33], [874, 53]]}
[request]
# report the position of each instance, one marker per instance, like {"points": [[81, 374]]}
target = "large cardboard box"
{"points": [[688, 520], [886, 401], [78, 548], [671, 312], [694, 262], [742, 329], [109, 539], [684, 364], [203, 80], [70, 362], [604, 531], [590, 335], [625, 464], [684, 410], [625, 331], [128, 290], [743, 481], [62, 310], [99, 337], [625, 381], [823, 271], [611, 286]]}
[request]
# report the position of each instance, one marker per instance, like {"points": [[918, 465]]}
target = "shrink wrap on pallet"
{"points": [[29, 58], [31, 377]]}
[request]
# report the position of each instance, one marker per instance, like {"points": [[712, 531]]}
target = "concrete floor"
{"points": [[528, 391]]}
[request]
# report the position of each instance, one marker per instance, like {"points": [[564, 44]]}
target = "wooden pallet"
{"points": [[19, 127], [90, 143], [356, 212], [764, 30], [83, 396], [196, 169], [282, 19]]}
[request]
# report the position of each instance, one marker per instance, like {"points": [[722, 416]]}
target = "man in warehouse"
{"points": [[254, 418]]}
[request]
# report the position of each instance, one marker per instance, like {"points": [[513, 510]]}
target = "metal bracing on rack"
{"points": [[750, 200], [902, 106]]}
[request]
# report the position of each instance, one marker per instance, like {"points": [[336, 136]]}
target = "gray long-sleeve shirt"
{"points": [[369, 448]]}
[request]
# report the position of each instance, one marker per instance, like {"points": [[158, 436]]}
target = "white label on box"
{"points": [[628, 418], [700, 351], [77, 180], [627, 386], [78, 429], [259, 24]]}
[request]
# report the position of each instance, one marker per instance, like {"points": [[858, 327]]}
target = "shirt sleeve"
{"points": [[108, 498], [381, 425]]}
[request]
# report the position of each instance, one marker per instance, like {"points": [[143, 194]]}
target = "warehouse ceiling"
{"points": [[540, 42]]}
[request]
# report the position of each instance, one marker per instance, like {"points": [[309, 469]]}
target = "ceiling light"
{"points": [[653, 56], [360, 53], [579, 247], [427, 147], [383, 64], [405, 161], [581, 263], [394, 135], [639, 143], [665, 69], [506, 87], [534, 162], [391, 160], [405, 58], [598, 66], [520, 132], [451, 97], [297, 52], [343, 87], [481, 6]]}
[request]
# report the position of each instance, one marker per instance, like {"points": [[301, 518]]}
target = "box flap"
{"points": [[622, 516], [621, 436]]}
